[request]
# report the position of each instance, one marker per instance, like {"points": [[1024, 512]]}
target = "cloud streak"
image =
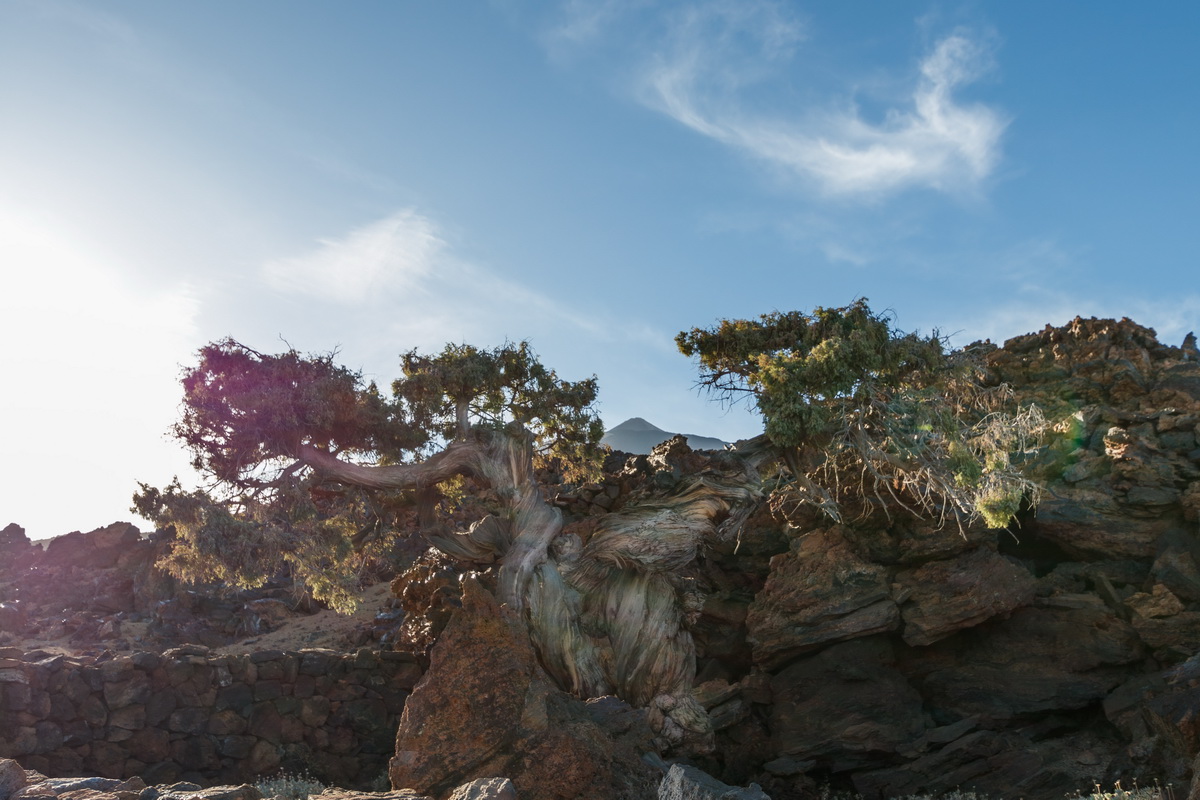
{"points": [[403, 265], [371, 262], [703, 73]]}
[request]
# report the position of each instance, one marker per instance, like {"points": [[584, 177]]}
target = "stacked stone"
{"points": [[591, 499], [188, 714]]}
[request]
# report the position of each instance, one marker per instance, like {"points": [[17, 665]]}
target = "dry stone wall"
{"points": [[189, 714]]}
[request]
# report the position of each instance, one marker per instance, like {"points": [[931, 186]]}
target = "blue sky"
{"points": [[591, 176]]}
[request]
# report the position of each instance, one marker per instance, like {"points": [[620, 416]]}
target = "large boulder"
{"points": [[1066, 653], [486, 789], [485, 708], [15, 548], [12, 778], [844, 706], [97, 549], [821, 591], [942, 597], [683, 782]]}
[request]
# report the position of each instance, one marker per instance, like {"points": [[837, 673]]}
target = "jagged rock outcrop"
{"points": [[821, 591], [942, 597], [683, 782], [908, 657], [486, 709]]}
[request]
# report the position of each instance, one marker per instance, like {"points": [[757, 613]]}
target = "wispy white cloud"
{"points": [[581, 22], [703, 65], [837, 252], [402, 265], [371, 262], [709, 59]]}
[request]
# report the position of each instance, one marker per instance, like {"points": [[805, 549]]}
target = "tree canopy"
{"points": [[864, 414], [255, 425], [314, 469]]}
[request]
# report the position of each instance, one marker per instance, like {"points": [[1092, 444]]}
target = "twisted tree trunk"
{"points": [[501, 460], [607, 617]]}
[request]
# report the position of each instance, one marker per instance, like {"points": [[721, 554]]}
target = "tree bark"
{"points": [[501, 459], [605, 617]]}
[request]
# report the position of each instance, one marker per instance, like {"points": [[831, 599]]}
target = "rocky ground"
{"points": [[85, 593], [680, 783]]}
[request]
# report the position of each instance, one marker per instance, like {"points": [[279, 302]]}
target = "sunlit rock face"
{"points": [[486, 708]]}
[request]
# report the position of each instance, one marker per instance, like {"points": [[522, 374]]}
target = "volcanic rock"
{"points": [[1065, 654], [820, 592], [12, 778], [844, 705], [943, 597], [485, 708], [685, 782], [486, 789]]}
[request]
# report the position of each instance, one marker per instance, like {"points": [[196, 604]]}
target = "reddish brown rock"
{"points": [[485, 708], [943, 597], [918, 541], [820, 592]]}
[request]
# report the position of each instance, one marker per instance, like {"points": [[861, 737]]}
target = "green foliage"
{"points": [[240, 547], [867, 415], [246, 416], [807, 371], [244, 411], [464, 384]]}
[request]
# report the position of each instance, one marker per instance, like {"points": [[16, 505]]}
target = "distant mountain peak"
{"points": [[637, 424], [636, 435]]}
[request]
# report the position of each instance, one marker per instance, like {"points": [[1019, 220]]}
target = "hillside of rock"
{"points": [[885, 657]]}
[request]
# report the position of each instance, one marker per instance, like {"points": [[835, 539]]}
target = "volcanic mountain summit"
{"points": [[637, 436]]}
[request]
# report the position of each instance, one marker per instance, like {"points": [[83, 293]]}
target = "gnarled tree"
{"points": [[307, 462], [870, 418], [309, 465]]}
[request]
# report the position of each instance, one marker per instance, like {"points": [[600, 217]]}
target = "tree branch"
{"points": [[459, 458]]}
